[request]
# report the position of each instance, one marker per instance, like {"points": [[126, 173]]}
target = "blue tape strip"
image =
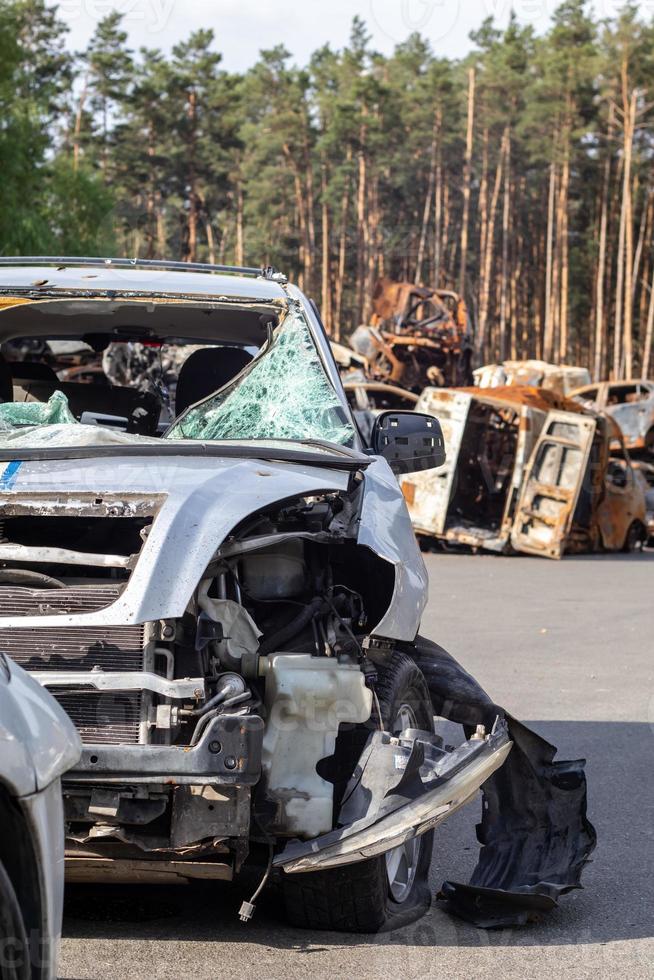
{"points": [[9, 474]]}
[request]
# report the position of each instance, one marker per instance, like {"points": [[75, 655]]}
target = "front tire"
{"points": [[385, 892], [635, 537], [14, 947]]}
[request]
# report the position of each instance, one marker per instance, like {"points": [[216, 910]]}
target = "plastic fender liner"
{"points": [[534, 833]]}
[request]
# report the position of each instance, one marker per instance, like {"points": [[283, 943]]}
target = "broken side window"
{"points": [[284, 393]]}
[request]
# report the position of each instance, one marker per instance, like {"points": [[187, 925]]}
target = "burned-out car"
{"points": [[526, 471], [630, 404], [417, 335], [561, 378], [227, 606]]}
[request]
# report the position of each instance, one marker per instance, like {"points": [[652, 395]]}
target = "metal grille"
{"points": [[17, 600], [109, 718], [75, 647], [68, 647], [104, 718]]}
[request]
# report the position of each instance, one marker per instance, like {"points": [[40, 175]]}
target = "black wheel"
{"points": [[391, 890], [14, 948], [635, 537]]}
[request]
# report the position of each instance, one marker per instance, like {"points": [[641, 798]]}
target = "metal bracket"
{"points": [[228, 752], [118, 680]]}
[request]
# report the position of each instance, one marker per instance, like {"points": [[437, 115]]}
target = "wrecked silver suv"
{"points": [[218, 580]]}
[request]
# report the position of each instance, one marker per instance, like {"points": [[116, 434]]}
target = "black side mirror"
{"points": [[409, 441]]}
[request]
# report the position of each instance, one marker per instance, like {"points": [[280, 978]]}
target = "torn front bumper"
{"points": [[403, 787]]}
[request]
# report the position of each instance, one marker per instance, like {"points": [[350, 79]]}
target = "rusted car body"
{"points": [[561, 378], [418, 335], [645, 473], [629, 403], [526, 471]]}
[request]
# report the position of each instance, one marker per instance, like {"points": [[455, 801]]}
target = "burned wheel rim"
{"points": [[402, 861]]}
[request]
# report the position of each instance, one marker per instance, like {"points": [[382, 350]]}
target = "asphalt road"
{"points": [[566, 646]]}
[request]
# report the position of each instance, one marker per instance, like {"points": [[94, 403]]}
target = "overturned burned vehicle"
{"points": [[417, 336], [526, 471], [228, 606]]}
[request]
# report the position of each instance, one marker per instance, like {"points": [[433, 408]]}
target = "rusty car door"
{"points": [[551, 484], [428, 493]]}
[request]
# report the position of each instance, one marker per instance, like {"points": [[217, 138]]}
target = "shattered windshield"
{"points": [[282, 393]]}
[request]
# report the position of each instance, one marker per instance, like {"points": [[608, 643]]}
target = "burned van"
{"points": [[526, 470]]}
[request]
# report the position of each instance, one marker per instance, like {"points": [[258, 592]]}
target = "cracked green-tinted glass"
{"points": [[53, 412], [284, 394]]}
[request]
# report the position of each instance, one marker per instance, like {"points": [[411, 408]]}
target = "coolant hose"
{"points": [[24, 576], [286, 633]]}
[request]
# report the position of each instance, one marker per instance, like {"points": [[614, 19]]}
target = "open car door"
{"points": [[551, 484], [428, 492]]}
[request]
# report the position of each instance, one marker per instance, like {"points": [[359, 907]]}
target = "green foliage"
{"points": [[154, 154]]}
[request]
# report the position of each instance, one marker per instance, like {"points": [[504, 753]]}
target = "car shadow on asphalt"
{"points": [[615, 903]]}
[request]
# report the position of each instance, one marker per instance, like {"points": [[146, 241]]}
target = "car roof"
{"points": [[45, 279]]}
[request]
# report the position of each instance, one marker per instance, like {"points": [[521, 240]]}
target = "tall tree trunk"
{"points": [[310, 247], [467, 178], [301, 206], [630, 126], [342, 249], [362, 222], [326, 290], [77, 128], [373, 243], [211, 245], [600, 320], [488, 257], [239, 249], [565, 273], [649, 330], [427, 208], [643, 227], [438, 203], [150, 201], [161, 232], [447, 271], [548, 336], [483, 211], [504, 274], [192, 235]]}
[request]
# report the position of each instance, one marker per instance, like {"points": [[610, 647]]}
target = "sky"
{"points": [[244, 27]]}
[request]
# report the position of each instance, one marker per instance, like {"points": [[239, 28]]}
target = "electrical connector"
{"points": [[246, 911]]}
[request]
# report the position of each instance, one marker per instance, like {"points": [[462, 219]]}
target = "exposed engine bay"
{"points": [[218, 731]]}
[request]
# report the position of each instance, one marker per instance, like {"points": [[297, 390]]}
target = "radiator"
{"points": [[104, 718], [111, 718]]}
